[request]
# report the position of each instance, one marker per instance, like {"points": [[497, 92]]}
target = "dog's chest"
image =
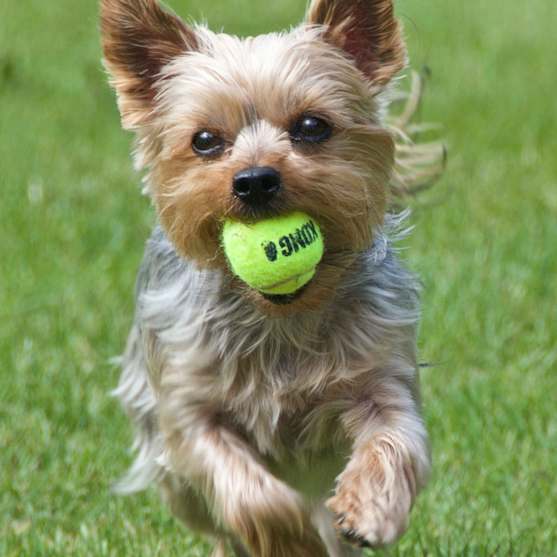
{"points": [[297, 434], [291, 413]]}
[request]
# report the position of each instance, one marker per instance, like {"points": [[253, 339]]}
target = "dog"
{"points": [[285, 425]]}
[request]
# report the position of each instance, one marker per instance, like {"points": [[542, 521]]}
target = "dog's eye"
{"points": [[311, 129], [205, 143]]}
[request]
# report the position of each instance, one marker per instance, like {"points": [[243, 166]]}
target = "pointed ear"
{"points": [[365, 29], [139, 38]]}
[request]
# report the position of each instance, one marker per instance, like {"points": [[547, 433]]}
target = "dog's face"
{"points": [[253, 128]]}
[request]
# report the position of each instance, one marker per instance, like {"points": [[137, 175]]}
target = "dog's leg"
{"points": [[266, 514], [189, 508], [389, 465]]}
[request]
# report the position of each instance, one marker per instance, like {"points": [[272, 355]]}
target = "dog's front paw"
{"points": [[367, 512]]}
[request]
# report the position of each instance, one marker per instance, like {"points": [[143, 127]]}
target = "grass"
{"points": [[72, 231]]}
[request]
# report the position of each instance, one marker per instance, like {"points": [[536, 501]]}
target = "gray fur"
{"points": [[184, 314]]}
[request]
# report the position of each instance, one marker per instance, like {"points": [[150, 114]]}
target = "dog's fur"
{"points": [[247, 407]]}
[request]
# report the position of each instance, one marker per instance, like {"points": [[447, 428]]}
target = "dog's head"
{"points": [[257, 127]]}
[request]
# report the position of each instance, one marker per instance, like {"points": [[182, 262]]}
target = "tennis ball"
{"points": [[274, 256]]}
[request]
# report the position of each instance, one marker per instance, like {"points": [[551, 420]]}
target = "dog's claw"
{"points": [[362, 542], [348, 534], [352, 537], [340, 518]]}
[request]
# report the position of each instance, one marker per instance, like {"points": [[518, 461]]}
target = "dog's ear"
{"points": [[139, 38], [365, 29]]}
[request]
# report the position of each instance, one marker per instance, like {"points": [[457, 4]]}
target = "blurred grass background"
{"points": [[72, 230]]}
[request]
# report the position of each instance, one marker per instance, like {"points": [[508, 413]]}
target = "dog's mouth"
{"points": [[275, 257], [285, 299]]}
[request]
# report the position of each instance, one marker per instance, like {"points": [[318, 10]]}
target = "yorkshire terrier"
{"points": [[278, 425]]}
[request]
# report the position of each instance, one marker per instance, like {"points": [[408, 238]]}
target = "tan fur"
{"points": [[347, 198], [367, 31], [247, 410], [250, 108], [138, 39], [375, 493]]}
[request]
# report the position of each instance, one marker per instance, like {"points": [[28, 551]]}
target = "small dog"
{"points": [[251, 408]]}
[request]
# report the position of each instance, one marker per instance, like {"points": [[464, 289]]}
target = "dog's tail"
{"points": [[419, 163]]}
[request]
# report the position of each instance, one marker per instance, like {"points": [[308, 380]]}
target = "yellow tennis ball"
{"points": [[274, 256]]}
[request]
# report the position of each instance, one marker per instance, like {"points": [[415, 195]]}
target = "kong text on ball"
{"points": [[274, 256]]}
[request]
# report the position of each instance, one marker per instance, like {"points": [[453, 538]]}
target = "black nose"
{"points": [[256, 186]]}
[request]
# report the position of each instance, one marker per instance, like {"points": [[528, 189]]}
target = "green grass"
{"points": [[73, 226]]}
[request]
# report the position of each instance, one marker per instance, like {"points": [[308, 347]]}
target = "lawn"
{"points": [[72, 229]]}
